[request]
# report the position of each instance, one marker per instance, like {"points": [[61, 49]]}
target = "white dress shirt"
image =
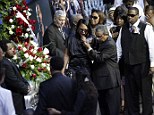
{"points": [[6, 102], [149, 36]]}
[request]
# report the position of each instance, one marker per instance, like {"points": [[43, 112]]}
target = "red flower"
{"points": [[33, 55], [13, 13], [39, 69], [24, 2], [24, 14], [26, 8], [19, 31], [26, 44], [33, 28], [20, 21], [34, 75], [32, 21], [25, 25], [19, 48], [31, 47], [40, 49], [24, 65], [19, 7]]}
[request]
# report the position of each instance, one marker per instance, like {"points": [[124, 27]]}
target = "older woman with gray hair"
{"points": [[105, 71]]}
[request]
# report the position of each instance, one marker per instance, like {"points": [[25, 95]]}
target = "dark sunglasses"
{"points": [[94, 17], [131, 15]]}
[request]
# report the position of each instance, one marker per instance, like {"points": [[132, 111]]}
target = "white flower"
{"points": [[45, 51], [22, 35], [26, 35], [19, 45], [24, 49], [24, 11], [14, 8], [43, 65], [38, 60], [11, 32], [34, 44], [31, 36], [29, 9], [34, 51], [26, 55], [48, 68], [28, 29], [31, 58], [35, 57], [29, 14], [32, 66], [46, 56], [10, 20], [12, 26]]}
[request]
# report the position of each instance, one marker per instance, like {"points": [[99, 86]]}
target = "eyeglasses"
{"points": [[94, 17], [131, 15]]}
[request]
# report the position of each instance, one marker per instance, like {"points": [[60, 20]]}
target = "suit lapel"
{"points": [[16, 69], [61, 34]]}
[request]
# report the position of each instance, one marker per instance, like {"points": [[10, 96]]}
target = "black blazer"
{"points": [[105, 70], [54, 41], [58, 92], [16, 83]]}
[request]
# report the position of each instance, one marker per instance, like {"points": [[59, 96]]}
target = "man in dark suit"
{"points": [[105, 71], [13, 78], [54, 37], [57, 92], [136, 44]]}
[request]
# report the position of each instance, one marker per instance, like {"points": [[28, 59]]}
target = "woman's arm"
{"points": [[66, 60]]}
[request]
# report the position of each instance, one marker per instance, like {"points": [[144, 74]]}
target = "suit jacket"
{"points": [[54, 41], [105, 71], [57, 92], [16, 83]]}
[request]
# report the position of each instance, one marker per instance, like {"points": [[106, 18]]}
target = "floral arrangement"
{"points": [[17, 24], [33, 61]]}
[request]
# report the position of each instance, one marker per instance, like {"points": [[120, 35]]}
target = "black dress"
{"points": [[78, 56]]}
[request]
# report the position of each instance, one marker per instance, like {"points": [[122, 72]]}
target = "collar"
{"points": [[136, 23], [9, 59]]}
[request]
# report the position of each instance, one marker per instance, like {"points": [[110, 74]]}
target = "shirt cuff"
{"points": [[89, 49], [152, 64]]}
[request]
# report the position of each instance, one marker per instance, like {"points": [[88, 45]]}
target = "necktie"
{"points": [[132, 29], [62, 32]]}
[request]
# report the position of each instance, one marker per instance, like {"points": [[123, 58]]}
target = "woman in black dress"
{"points": [[76, 54]]}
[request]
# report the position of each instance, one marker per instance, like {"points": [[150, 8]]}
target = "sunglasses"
{"points": [[131, 15], [94, 17]]}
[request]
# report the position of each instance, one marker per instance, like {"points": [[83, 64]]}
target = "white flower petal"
{"points": [[45, 51], [32, 66], [10, 20], [26, 55]]}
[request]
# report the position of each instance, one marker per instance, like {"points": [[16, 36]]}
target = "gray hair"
{"points": [[60, 13], [103, 29]]}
